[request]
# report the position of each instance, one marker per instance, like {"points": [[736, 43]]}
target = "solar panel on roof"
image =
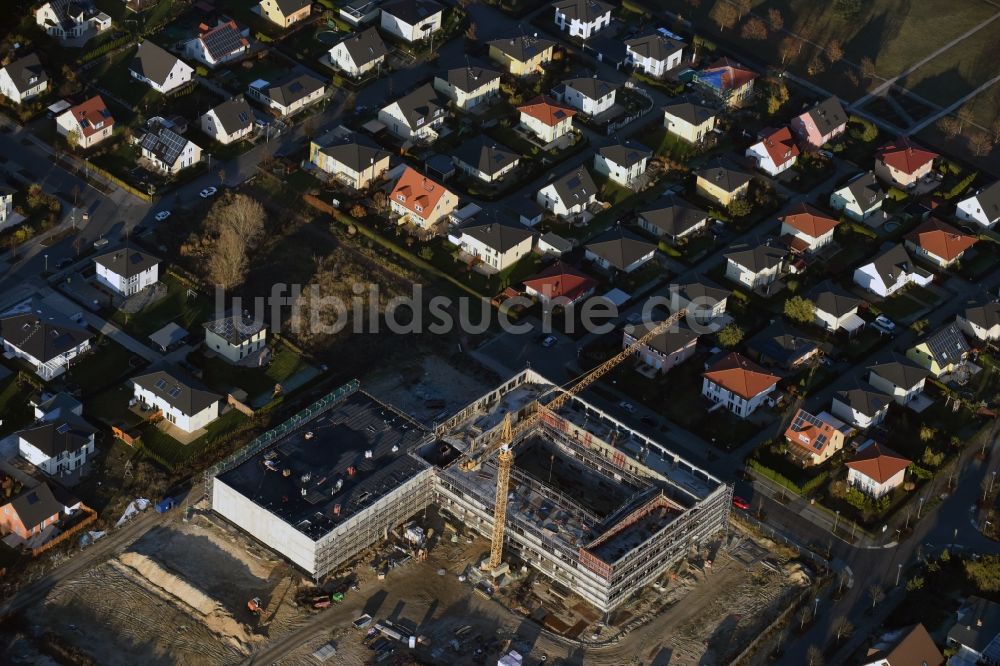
{"points": [[175, 391], [63, 428], [222, 42], [161, 384]]}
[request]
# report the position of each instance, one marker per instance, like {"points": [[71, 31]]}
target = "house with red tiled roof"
{"points": [[902, 163], [738, 384], [813, 439], [419, 200], [728, 80], [546, 119], [775, 152], [876, 470], [811, 227], [560, 284], [939, 243], [90, 122]]}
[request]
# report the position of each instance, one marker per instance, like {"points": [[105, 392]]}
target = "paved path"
{"points": [[914, 129], [121, 337]]}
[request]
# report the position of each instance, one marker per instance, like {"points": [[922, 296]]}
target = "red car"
{"points": [[740, 503]]}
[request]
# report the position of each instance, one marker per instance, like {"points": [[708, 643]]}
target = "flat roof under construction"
{"points": [[359, 443]]}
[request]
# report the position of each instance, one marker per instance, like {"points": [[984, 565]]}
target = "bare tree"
{"points": [[754, 28], [775, 18], [834, 51], [238, 226], [949, 126], [724, 14], [814, 656], [789, 48], [965, 117], [470, 32], [381, 200], [867, 67], [222, 176], [842, 627], [227, 265], [876, 594], [816, 65], [995, 132], [743, 7], [980, 143]]}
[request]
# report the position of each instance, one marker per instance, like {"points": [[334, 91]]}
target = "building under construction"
{"points": [[592, 504]]}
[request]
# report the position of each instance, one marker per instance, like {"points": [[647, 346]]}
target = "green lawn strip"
{"points": [[14, 407], [223, 376], [108, 363], [187, 312], [111, 406], [169, 452]]}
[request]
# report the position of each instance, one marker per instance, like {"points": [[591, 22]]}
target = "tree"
{"points": [[730, 336], [834, 51], [739, 207], [995, 132], [800, 309], [222, 176], [754, 28], [815, 65], [775, 18], [915, 583], [73, 139], [980, 143], [949, 126], [238, 226], [867, 68], [842, 627], [743, 7], [358, 211], [470, 32], [814, 656], [777, 96], [847, 10], [876, 594], [724, 14], [984, 572], [381, 200], [789, 48], [227, 266], [965, 117]]}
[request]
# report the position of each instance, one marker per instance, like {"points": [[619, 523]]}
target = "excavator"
{"points": [[255, 606]]}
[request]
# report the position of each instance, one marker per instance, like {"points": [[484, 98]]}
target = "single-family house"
{"points": [[902, 379], [419, 200], [860, 199], [560, 285], [902, 163], [619, 249], [349, 160], [891, 271], [59, 444], [469, 87], [727, 80], [704, 302], [835, 309], [775, 152], [360, 12], [861, 407], [689, 121], [522, 55], [676, 220], [812, 439], [220, 44], [739, 384], [779, 345], [983, 207], [127, 271], [283, 12], [182, 401], [7, 218], [89, 123], [160, 69], [498, 244], [939, 243], [228, 122], [236, 337], [485, 159], [975, 637], [411, 20], [29, 512], [623, 163], [664, 350], [808, 227], [876, 470], [359, 52], [757, 267], [582, 18], [417, 115], [654, 54], [588, 95], [941, 353], [22, 79], [71, 19], [722, 185], [46, 340], [981, 320], [166, 150], [902, 647], [822, 123], [546, 119], [551, 243], [290, 96], [570, 194]]}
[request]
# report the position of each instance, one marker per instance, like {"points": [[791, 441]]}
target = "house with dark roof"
{"points": [[654, 54], [906, 647], [939, 243], [349, 158], [417, 115], [165, 149], [550, 243], [485, 159], [775, 152], [359, 52], [546, 119], [983, 207], [560, 284], [812, 439], [738, 384], [236, 337], [975, 636], [290, 96], [570, 194], [22, 79], [704, 301], [522, 55], [582, 18], [891, 271], [876, 470], [619, 249], [941, 353], [32, 507], [722, 184], [899, 377], [183, 401], [89, 123], [807, 228], [689, 120], [127, 271], [59, 444], [981, 320], [283, 12], [665, 350], [160, 69], [588, 95], [228, 122], [469, 86], [757, 267], [727, 80], [835, 309], [902, 163], [71, 19], [781, 346], [623, 163], [860, 199], [498, 244], [822, 123], [673, 221], [220, 44], [411, 20], [862, 407], [45, 339]]}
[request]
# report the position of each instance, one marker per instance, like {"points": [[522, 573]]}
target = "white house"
{"points": [[228, 122], [89, 123], [704, 302], [166, 150], [359, 53], [221, 44], [469, 86], [876, 470], [499, 245], [758, 267], [654, 54], [981, 322], [902, 380], [290, 96], [835, 309], [739, 384], [58, 444], [48, 341], [546, 119], [7, 217], [346, 158], [582, 18], [417, 115], [618, 249], [162, 70], [411, 20], [983, 207], [861, 407], [22, 79], [568, 195], [891, 271], [810, 228], [127, 271], [587, 95], [70, 19], [235, 337], [860, 199], [181, 401], [776, 151], [623, 163]]}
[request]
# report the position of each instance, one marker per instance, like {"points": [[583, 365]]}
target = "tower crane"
{"points": [[509, 432]]}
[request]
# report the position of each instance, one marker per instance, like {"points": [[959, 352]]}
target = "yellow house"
{"points": [[691, 122], [283, 12], [522, 55], [722, 185], [941, 353]]}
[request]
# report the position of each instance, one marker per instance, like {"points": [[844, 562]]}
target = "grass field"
{"points": [[177, 307], [958, 71]]}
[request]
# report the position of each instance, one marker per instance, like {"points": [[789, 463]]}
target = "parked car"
{"points": [[740, 503], [101, 243], [208, 192], [885, 323], [549, 341], [627, 406], [162, 215]]}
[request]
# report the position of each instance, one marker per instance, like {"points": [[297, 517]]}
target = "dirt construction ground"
{"points": [[431, 381]]}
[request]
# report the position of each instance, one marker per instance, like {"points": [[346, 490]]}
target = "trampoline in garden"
{"points": [[328, 37], [890, 226]]}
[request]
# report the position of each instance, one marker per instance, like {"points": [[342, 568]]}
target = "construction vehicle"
{"points": [[255, 606], [509, 432]]}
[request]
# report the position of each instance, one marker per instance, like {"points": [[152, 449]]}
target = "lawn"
{"points": [[177, 306], [106, 366], [958, 71], [111, 406], [249, 71], [223, 376], [169, 451], [113, 75], [901, 307], [14, 406]]}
